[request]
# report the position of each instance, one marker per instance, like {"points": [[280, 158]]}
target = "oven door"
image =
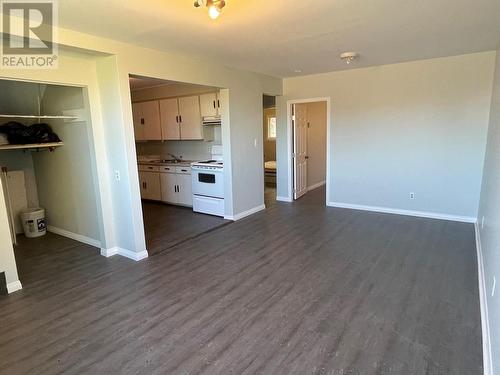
{"points": [[209, 183]]}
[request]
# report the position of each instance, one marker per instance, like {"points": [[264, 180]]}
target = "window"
{"points": [[271, 127]]}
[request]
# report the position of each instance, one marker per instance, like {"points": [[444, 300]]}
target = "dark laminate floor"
{"points": [[270, 195], [297, 289], [166, 225]]}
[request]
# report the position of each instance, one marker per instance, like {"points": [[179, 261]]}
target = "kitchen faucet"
{"points": [[178, 160]]}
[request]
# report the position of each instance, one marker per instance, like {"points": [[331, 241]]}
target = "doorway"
{"points": [[179, 150], [269, 142], [49, 176], [308, 144]]}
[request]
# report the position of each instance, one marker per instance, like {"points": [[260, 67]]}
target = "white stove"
{"points": [[208, 164], [208, 184]]}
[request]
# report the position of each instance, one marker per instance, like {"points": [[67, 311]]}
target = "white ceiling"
{"points": [[279, 37], [137, 83]]}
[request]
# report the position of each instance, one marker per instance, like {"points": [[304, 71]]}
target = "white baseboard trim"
{"points": [[137, 256], [74, 236], [483, 299], [14, 286], [429, 215], [247, 213], [109, 252], [315, 186], [284, 199]]}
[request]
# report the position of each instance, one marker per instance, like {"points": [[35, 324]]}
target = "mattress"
{"points": [[270, 165]]}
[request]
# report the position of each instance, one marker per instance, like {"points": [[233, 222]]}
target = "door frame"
{"points": [[289, 105]]}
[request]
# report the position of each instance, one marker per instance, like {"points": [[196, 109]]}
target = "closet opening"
{"points": [[48, 174]]}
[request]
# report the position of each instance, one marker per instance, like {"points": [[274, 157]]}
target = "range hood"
{"points": [[212, 121]]}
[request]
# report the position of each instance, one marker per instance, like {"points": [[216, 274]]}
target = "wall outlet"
{"points": [[493, 288], [482, 223], [117, 175], [412, 196]]}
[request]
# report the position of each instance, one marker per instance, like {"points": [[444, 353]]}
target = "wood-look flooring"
{"points": [[297, 289], [270, 195], [167, 225]]}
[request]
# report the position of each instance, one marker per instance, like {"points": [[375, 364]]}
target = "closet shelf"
{"points": [[40, 117], [32, 146]]}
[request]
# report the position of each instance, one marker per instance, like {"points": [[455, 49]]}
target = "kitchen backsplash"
{"points": [[188, 150]]}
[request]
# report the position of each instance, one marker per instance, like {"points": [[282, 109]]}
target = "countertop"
{"points": [[184, 163]]}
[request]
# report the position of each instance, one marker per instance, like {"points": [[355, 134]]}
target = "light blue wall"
{"points": [[412, 127], [490, 210]]}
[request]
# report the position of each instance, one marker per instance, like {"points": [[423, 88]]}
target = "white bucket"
{"points": [[34, 222]]}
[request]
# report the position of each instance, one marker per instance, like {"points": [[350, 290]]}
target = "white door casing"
{"points": [[300, 149]]}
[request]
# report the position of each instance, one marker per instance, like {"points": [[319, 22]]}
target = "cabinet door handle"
{"points": [[214, 103], [218, 103], [177, 119], [180, 118], [142, 121], [144, 185]]}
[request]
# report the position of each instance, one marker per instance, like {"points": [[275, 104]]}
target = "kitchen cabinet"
{"points": [[185, 190], [176, 185], [181, 118], [168, 182], [150, 185], [169, 115], [190, 118], [210, 105], [147, 124], [138, 126]]}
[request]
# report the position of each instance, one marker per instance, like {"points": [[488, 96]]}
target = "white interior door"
{"points": [[300, 149]]}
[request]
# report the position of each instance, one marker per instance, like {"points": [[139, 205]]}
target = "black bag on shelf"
{"points": [[19, 134]]}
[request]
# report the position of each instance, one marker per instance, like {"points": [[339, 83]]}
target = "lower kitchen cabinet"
{"points": [[176, 186], [185, 191], [150, 185]]}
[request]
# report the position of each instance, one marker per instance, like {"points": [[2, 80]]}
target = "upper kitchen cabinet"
{"points": [[190, 118], [210, 105], [169, 114], [181, 119], [147, 125]]}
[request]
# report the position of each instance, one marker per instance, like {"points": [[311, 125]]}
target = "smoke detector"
{"points": [[349, 57]]}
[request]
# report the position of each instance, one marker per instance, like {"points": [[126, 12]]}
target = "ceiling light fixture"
{"points": [[214, 7], [349, 57]]}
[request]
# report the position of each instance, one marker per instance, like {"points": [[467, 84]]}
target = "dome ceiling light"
{"points": [[349, 57], [214, 7]]}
